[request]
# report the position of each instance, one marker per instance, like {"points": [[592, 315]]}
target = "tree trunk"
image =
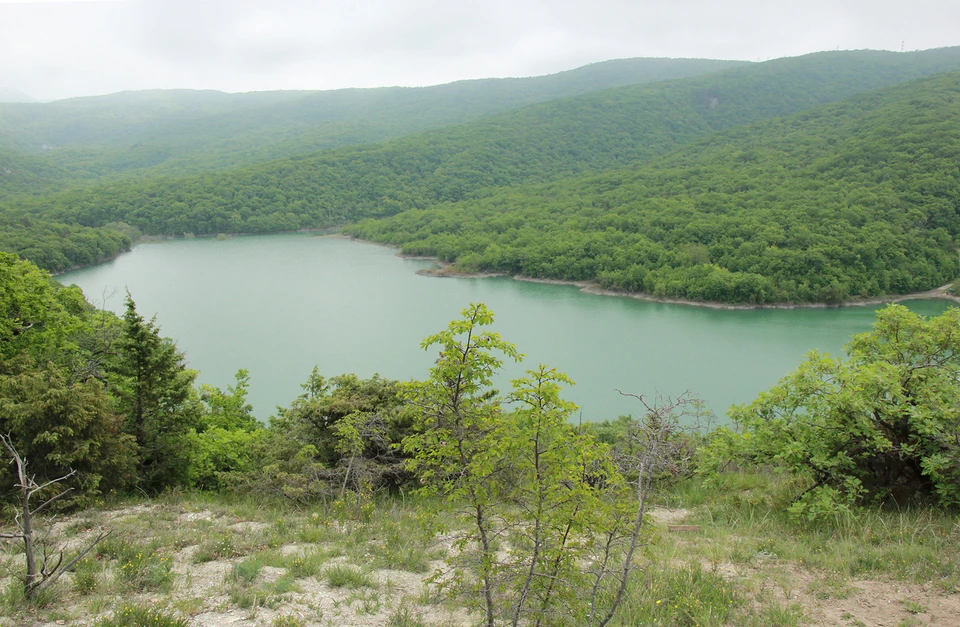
{"points": [[32, 579]]}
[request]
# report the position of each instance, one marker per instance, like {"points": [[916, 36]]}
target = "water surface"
{"points": [[277, 305]]}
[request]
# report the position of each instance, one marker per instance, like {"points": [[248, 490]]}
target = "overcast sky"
{"points": [[54, 50]]}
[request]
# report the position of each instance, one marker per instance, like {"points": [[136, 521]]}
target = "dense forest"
{"points": [[848, 200], [141, 134], [56, 246], [666, 133]]}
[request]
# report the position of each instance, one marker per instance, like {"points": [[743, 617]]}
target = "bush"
{"points": [[879, 427]]}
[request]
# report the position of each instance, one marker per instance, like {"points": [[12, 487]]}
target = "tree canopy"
{"points": [[109, 398], [855, 199], [134, 135], [826, 205]]}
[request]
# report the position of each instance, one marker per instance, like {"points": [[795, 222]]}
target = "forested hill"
{"points": [[854, 199], [138, 134], [544, 142]]}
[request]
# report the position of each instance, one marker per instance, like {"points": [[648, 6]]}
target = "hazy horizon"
{"points": [[63, 49]]}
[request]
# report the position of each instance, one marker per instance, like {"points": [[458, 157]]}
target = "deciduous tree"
{"points": [[879, 426]]}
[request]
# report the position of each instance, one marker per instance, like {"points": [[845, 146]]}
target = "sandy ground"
{"points": [[201, 591]]}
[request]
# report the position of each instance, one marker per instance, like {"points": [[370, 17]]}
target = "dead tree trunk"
{"points": [[38, 576]]}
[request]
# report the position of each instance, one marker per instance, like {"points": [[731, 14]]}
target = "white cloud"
{"points": [[59, 49]]}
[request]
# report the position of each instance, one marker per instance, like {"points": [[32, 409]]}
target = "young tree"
{"points": [[228, 410], [456, 413], [226, 437], [341, 433], [540, 495], [554, 503]]}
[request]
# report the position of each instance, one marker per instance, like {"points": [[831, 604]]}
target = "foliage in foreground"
{"points": [[746, 513], [879, 427], [555, 516], [555, 526], [340, 437], [744, 528], [113, 400], [681, 597], [110, 399]]}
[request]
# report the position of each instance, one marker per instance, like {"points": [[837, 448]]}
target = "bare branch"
{"points": [[47, 573], [53, 481], [46, 583], [37, 579], [51, 500], [19, 461]]}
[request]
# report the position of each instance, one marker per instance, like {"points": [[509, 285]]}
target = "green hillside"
{"points": [[544, 142], [58, 247], [855, 199], [137, 134], [22, 171]]}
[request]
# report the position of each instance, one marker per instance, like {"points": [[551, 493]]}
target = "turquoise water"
{"points": [[277, 305]]}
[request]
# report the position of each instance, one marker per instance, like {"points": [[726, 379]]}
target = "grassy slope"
{"points": [[210, 558]]}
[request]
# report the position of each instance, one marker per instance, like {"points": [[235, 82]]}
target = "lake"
{"points": [[277, 305]]}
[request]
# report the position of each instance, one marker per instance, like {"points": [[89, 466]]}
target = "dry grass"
{"points": [[211, 561]]}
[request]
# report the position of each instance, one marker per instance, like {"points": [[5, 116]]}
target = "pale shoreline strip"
{"points": [[590, 287]]}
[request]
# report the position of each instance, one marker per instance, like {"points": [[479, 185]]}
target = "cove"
{"points": [[277, 305]]}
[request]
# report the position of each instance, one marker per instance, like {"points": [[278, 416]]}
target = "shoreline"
{"points": [[161, 239], [54, 275], [939, 293], [443, 270], [591, 287]]}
